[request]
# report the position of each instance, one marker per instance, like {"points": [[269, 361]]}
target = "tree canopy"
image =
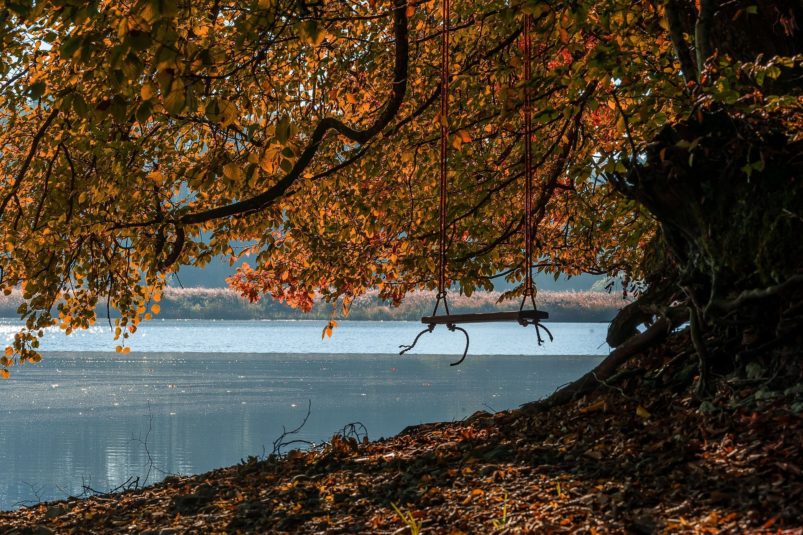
{"points": [[141, 136]]}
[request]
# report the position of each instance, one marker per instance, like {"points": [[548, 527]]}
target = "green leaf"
{"points": [[174, 102], [283, 130], [138, 40], [311, 32], [212, 110], [119, 108], [37, 89], [144, 112], [70, 46], [79, 106]]}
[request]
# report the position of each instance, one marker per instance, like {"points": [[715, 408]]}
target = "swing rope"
{"points": [[528, 166], [529, 287], [443, 189], [444, 152]]}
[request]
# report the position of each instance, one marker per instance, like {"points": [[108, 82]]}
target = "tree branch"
{"points": [[679, 43], [266, 198], [27, 162], [702, 33]]}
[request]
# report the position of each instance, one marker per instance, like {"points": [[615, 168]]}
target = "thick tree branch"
{"points": [[276, 191], [702, 33], [679, 43]]}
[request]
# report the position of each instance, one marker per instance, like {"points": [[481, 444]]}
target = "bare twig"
{"points": [[151, 466], [355, 430], [281, 441]]}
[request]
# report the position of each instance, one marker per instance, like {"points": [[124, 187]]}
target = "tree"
{"points": [[139, 137]]}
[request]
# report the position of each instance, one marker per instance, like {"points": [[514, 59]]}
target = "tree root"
{"points": [[748, 296], [599, 375]]}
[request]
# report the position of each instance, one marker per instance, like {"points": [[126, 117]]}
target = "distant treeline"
{"points": [[214, 303]]}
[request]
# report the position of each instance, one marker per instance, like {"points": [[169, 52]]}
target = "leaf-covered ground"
{"points": [[640, 455]]}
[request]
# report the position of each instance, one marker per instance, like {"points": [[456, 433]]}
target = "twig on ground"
{"points": [[280, 442], [605, 383], [36, 491], [354, 430], [151, 465]]}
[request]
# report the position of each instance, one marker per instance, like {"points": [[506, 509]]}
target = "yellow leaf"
{"points": [[201, 30], [642, 412], [9, 351], [232, 171], [118, 349], [327, 332], [593, 407], [147, 92], [228, 113], [4, 374], [126, 350]]}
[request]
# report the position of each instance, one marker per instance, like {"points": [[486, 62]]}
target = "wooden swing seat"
{"points": [[520, 316]]}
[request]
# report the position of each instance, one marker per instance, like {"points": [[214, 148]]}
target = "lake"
{"points": [[196, 395]]}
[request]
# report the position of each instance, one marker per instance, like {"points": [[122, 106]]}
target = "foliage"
{"points": [[138, 137]]}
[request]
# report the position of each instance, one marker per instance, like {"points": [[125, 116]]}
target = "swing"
{"points": [[522, 317]]}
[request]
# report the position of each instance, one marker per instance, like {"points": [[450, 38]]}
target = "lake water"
{"points": [[205, 394]]}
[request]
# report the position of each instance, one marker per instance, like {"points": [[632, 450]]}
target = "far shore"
{"points": [[225, 304]]}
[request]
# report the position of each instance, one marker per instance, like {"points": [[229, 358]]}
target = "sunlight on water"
{"points": [[351, 337]]}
